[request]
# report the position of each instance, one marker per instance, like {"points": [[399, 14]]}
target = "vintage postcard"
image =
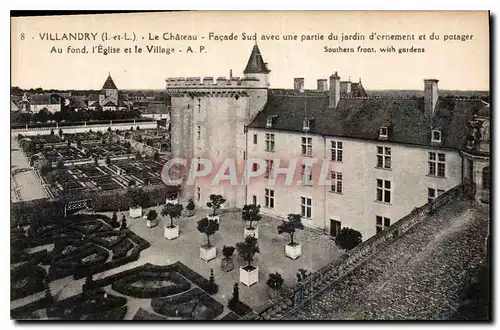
{"points": [[250, 166]]}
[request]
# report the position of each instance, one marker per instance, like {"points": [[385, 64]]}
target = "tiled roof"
{"points": [[109, 83], [45, 98], [362, 117], [255, 63], [485, 111], [93, 97], [357, 90]]}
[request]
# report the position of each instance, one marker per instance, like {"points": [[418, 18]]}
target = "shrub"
{"points": [[190, 205], [348, 238], [290, 225], [152, 215], [227, 251], [275, 281]]}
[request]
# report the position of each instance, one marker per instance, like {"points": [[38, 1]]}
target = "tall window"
{"points": [[269, 142], [307, 146], [433, 193], [437, 164], [198, 193], [254, 200], [269, 168], [198, 132], [269, 198], [384, 157], [305, 207], [336, 182], [255, 139], [382, 223], [336, 151], [383, 191], [306, 174], [335, 227]]}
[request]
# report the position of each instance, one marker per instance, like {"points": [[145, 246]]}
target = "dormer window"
{"points": [[270, 120], [383, 133], [307, 123], [436, 136]]}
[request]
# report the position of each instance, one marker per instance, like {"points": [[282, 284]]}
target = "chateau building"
{"points": [[382, 156]]}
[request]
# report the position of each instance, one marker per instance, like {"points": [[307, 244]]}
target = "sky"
{"points": [[459, 65]]}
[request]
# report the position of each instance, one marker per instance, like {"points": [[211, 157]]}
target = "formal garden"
{"points": [[185, 262]]}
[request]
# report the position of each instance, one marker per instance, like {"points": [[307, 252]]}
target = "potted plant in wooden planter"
{"points": [[226, 263], [190, 208], [136, 200], [174, 211], [275, 284], [152, 219], [208, 227], [215, 204], [172, 198], [294, 221], [247, 249], [251, 214]]}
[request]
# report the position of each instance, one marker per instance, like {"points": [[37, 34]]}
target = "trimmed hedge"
{"points": [[36, 279], [65, 265], [121, 249], [26, 311], [35, 212], [144, 315], [32, 258], [196, 278], [239, 307], [193, 305], [124, 285], [87, 306]]}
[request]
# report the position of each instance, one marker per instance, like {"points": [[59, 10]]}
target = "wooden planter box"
{"points": [[151, 223], [208, 253], [214, 217], [172, 201], [249, 276], [135, 212], [251, 232], [171, 232], [293, 251]]}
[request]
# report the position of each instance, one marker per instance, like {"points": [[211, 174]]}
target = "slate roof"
{"points": [[362, 117], [255, 63], [78, 102], [109, 83]]}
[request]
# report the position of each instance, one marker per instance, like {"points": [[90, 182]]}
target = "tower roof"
{"points": [[255, 63], [109, 83]]}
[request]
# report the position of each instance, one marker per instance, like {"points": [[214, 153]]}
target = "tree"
{"points": [[275, 281], [251, 213], [174, 211], [348, 238], [124, 222], [109, 129], [227, 251], [52, 132], [289, 226], [247, 249], [60, 132], [114, 220], [208, 227], [137, 128], [136, 198], [215, 203]]}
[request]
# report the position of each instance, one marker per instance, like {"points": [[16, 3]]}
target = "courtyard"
{"points": [[317, 251]]}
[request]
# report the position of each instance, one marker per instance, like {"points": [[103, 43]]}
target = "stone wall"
{"points": [[324, 278]]}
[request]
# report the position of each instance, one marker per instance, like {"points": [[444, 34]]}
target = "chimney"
{"points": [[322, 85], [298, 84], [334, 90], [431, 95]]}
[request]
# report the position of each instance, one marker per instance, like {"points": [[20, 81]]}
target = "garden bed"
{"points": [[151, 284], [26, 280], [192, 305]]}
